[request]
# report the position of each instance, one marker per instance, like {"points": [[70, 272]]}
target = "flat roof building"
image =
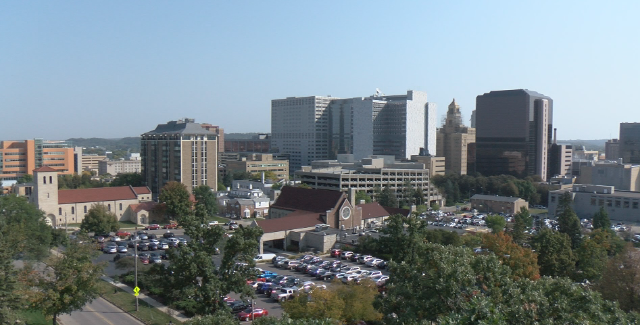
{"points": [[367, 174], [19, 158], [513, 133], [624, 177], [497, 204], [630, 142], [182, 151], [588, 199], [257, 163]]}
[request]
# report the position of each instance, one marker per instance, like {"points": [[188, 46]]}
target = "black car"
{"points": [[264, 287], [354, 257], [153, 246], [382, 265], [168, 234], [143, 246], [274, 288], [152, 236], [238, 306]]}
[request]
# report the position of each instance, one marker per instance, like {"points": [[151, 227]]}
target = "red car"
{"points": [[245, 315], [336, 252], [171, 226], [152, 227], [122, 233], [144, 259]]}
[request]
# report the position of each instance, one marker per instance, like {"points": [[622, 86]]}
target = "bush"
{"points": [[293, 248]]}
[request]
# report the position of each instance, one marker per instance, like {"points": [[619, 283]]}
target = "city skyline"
{"points": [[108, 70]]}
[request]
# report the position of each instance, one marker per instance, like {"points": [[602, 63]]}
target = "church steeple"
{"points": [[454, 117]]}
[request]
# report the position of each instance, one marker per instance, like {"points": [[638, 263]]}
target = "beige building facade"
{"points": [[453, 140], [588, 199], [115, 167], [624, 177], [70, 206], [435, 165], [257, 163], [497, 204]]}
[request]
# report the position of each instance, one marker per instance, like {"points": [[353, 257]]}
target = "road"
{"points": [[99, 312]]}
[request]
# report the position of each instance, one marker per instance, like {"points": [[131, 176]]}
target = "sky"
{"points": [[118, 68]]}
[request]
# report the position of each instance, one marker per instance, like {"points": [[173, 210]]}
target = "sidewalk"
{"points": [[152, 302]]}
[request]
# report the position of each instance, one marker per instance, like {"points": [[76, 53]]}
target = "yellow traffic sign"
{"points": [[136, 291]]}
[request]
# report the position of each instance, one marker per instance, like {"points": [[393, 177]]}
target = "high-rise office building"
{"points": [[560, 158], [630, 142], [513, 133], [612, 149], [453, 141], [319, 128], [18, 158], [182, 151]]}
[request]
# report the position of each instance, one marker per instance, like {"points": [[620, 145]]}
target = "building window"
{"points": [[635, 205], [553, 199], [50, 179], [44, 179], [601, 202], [59, 211], [618, 204], [109, 207], [73, 210], [593, 201], [85, 209], [610, 203], [625, 204], [120, 206]]}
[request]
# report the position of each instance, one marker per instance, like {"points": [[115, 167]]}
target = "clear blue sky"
{"points": [[118, 68]]}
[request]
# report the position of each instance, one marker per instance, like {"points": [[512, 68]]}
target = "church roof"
{"points": [[45, 169], [100, 194]]}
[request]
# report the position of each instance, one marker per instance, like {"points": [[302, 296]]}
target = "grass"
{"points": [[218, 219], [33, 317], [148, 314], [538, 211]]}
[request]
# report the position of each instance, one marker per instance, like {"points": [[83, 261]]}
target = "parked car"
{"points": [[168, 234], [123, 233], [336, 252], [354, 257], [152, 227], [284, 294], [233, 226], [144, 259], [238, 306], [122, 248], [155, 258], [382, 265], [346, 254], [364, 259], [170, 226], [373, 262], [252, 313], [110, 248]]}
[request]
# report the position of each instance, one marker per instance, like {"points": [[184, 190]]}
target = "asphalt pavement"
{"points": [[98, 312]]}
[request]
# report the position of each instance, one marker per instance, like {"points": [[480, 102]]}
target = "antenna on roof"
{"points": [[378, 93]]}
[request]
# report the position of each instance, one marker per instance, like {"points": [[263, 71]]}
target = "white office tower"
{"points": [[299, 128], [316, 128], [430, 115]]}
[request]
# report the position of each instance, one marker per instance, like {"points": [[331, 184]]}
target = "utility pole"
{"points": [[252, 308], [135, 249]]}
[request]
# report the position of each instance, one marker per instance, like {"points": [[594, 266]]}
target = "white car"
{"points": [[115, 239], [380, 280], [374, 274], [373, 262], [352, 269], [110, 249]]}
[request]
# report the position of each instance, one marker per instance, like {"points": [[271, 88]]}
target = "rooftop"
{"points": [[495, 198], [187, 126], [296, 220], [100, 194], [296, 198]]}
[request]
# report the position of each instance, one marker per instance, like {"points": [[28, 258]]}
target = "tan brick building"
{"points": [[453, 140], [257, 163]]}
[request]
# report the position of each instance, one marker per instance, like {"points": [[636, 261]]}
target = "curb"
{"points": [[124, 311]]}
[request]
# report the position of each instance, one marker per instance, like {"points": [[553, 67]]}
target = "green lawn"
{"points": [[121, 225], [126, 301], [538, 211], [33, 317]]}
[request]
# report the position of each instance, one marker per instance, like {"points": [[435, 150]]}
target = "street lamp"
{"points": [[135, 257]]}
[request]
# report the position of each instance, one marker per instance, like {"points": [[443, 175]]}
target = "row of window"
{"points": [[73, 209], [617, 203]]}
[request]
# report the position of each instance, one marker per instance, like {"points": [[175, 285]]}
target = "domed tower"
{"points": [[45, 192]]}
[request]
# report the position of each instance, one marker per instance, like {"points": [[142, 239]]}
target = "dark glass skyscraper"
{"points": [[513, 133], [630, 142]]}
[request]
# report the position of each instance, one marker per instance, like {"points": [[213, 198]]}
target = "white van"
{"points": [[264, 257]]}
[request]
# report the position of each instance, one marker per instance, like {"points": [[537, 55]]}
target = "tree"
{"points": [[509, 189], [227, 180], [128, 179], [496, 223], [620, 280], [285, 320], [522, 261], [362, 196], [99, 220], [435, 206], [176, 198], [205, 201], [26, 178], [202, 283], [221, 187], [451, 285], [69, 281], [348, 304], [568, 222], [25, 231], [10, 300], [388, 198], [220, 317], [555, 256], [592, 259], [601, 220], [268, 175], [521, 221]]}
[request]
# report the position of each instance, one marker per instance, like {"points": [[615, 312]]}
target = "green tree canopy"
{"points": [[555, 256], [99, 220], [26, 178], [128, 179], [67, 284], [176, 199], [568, 221], [601, 220], [521, 221], [205, 201], [496, 223], [387, 198], [362, 196], [26, 230]]}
